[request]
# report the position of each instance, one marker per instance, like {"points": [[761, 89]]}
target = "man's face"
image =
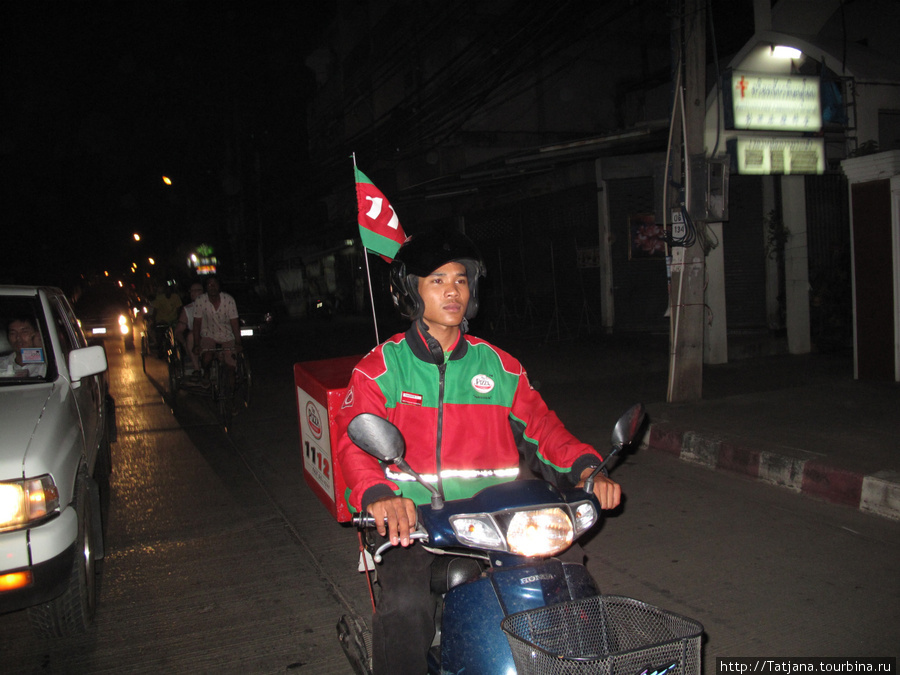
{"points": [[22, 335], [196, 291], [445, 293], [212, 288]]}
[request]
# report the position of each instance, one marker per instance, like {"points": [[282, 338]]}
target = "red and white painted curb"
{"points": [[878, 493]]}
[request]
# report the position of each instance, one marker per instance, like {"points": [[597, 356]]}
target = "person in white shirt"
{"points": [[216, 322], [184, 333]]}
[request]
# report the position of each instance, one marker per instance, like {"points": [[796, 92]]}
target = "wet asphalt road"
{"points": [[219, 559]]}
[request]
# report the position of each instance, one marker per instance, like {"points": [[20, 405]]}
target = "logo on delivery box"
{"points": [[312, 419]]}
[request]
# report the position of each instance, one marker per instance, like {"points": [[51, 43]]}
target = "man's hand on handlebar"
{"points": [[606, 490], [395, 518]]}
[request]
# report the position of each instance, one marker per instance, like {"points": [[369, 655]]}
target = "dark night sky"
{"points": [[100, 99]]}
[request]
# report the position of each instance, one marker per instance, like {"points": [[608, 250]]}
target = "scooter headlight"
{"points": [[542, 533], [533, 533], [477, 530]]}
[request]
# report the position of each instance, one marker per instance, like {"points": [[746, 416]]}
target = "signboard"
{"points": [[679, 227], [772, 102], [315, 442], [767, 155]]}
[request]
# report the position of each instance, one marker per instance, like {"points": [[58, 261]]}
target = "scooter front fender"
{"points": [[471, 638]]}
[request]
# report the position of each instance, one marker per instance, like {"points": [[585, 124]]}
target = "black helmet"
{"points": [[422, 254]]}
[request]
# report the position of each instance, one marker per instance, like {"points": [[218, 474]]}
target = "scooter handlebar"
{"points": [[386, 545], [363, 521]]}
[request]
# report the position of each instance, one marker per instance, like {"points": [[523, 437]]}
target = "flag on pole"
{"points": [[379, 225]]}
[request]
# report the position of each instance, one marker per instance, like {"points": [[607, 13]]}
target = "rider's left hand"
{"points": [[607, 491]]}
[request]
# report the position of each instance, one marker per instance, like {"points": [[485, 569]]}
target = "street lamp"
{"points": [[785, 52]]}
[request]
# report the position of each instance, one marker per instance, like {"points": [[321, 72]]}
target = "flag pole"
{"points": [[371, 297], [368, 271]]}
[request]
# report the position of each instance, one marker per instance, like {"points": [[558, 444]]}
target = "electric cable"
{"points": [[441, 117], [712, 36]]}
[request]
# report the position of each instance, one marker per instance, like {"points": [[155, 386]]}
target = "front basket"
{"points": [[606, 634]]}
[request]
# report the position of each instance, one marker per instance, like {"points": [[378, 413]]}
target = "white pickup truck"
{"points": [[57, 421]]}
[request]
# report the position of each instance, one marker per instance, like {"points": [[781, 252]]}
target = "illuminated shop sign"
{"points": [[202, 261], [772, 102], [765, 155]]}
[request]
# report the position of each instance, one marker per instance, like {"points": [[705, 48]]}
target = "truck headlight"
{"points": [[24, 502]]}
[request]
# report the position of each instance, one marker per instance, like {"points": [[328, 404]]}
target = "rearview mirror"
{"points": [[624, 433], [86, 361], [383, 440], [377, 436], [626, 430]]}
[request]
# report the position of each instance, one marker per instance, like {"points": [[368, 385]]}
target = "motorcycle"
{"points": [[511, 606]]}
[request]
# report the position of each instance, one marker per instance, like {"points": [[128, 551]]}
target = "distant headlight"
{"points": [[23, 502], [123, 324]]}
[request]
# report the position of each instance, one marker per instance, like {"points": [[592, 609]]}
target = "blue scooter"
{"points": [[509, 606]]}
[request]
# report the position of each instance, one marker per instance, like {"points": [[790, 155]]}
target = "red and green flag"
{"points": [[379, 225]]}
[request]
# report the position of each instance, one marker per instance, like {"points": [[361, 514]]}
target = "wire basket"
{"points": [[606, 634]]}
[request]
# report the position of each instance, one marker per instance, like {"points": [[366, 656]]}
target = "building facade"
{"points": [[546, 130]]}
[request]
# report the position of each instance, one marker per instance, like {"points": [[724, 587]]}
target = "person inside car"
{"points": [[27, 357], [468, 415]]}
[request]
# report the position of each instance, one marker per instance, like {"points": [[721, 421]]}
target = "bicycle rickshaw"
{"points": [[225, 398], [154, 340]]}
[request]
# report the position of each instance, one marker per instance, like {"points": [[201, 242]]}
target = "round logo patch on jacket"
{"points": [[482, 384]]}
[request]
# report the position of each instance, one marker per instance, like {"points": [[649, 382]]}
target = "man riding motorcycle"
{"points": [[467, 412]]}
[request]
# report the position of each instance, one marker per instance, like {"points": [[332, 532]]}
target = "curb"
{"points": [[878, 493]]}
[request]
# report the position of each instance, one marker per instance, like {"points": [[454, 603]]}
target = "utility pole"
{"points": [[686, 293]]}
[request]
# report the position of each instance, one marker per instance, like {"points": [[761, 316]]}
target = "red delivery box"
{"points": [[321, 386]]}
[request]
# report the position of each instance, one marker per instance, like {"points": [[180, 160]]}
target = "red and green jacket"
{"points": [[466, 422]]}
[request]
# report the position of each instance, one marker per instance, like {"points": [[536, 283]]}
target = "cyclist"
{"points": [[166, 305], [216, 323]]}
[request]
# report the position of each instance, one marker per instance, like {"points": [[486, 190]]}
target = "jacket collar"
{"points": [[426, 348]]}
